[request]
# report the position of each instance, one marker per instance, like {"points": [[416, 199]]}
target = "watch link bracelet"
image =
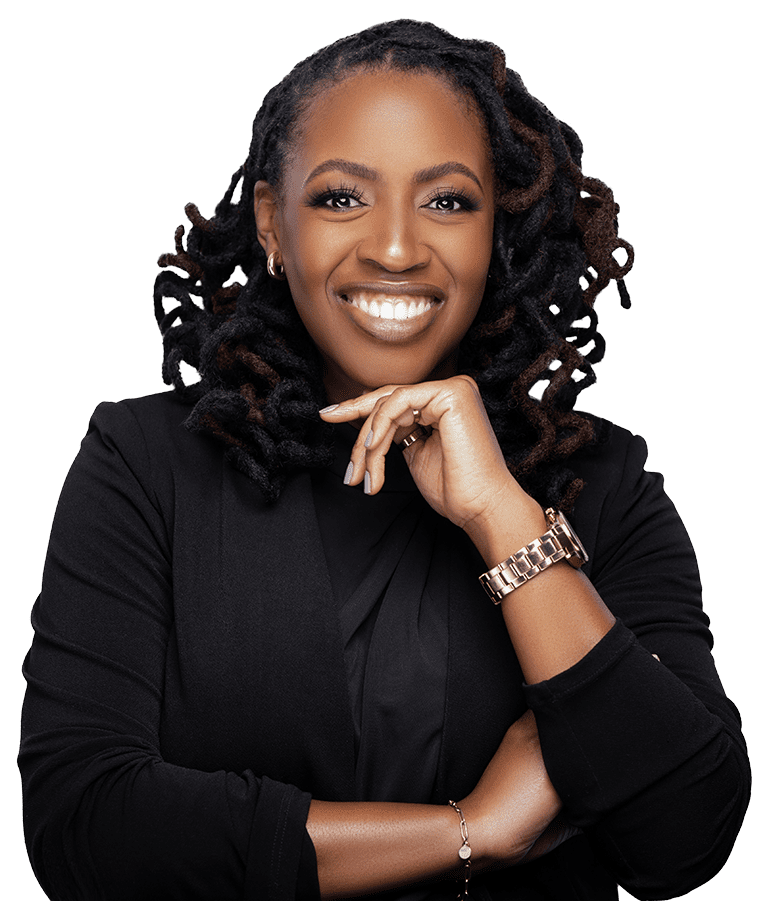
{"points": [[559, 543]]}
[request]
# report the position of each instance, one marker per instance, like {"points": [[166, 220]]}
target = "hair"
{"points": [[555, 232]]}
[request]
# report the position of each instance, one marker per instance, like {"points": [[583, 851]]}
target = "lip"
{"points": [[392, 330]]}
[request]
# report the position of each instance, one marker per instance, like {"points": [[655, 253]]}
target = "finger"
{"points": [[383, 433], [391, 418], [391, 422], [357, 469], [394, 418], [367, 462], [356, 407]]}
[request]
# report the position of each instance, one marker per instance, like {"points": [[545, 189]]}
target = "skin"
{"points": [[393, 226], [388, 223]]}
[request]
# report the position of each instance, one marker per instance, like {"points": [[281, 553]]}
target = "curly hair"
{"points": [[555, 233]]}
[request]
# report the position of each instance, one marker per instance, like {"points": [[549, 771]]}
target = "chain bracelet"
{"points": [[464, 853]]}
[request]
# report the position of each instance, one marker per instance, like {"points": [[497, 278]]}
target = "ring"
{"points": [[413, 436], [416, 414]]}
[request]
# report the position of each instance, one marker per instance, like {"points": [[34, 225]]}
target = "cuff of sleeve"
{"points": [[276, 842], [613, 724]]}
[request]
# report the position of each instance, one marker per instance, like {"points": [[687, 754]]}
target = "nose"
{"points": [[394, 242]]}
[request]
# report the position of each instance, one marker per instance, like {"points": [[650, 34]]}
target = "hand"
{"points": [[512, 814], [459, 467]]}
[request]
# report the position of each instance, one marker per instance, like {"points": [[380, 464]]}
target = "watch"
{"points": [[559, 543]]}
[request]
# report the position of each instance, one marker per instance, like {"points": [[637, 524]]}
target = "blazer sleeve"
{"points": [[105, 815], [647, 754]]}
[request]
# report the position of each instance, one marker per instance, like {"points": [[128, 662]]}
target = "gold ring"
{"points": [[413, 436]]}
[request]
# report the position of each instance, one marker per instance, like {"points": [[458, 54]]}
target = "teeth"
{"points": [[387, 307]]}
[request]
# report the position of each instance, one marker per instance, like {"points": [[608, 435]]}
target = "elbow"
{"points": [[50, 850], [673, 880], [688, 844]]}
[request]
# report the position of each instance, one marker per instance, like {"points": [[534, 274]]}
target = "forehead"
{"points": [[393, 119]]}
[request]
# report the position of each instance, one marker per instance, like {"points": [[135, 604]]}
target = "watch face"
{"points": [[581, 551]]}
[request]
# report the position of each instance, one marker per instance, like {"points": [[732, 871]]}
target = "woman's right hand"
{"points": [[514, 802]]}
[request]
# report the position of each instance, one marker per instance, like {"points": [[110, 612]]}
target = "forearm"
{"points": [[369, 847], [365, 847], [554, 619]]}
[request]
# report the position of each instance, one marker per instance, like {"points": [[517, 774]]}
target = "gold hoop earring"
{"points": [[275, 267]]}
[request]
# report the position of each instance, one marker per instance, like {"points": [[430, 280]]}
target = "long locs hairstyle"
{"points": [[555, 234]]}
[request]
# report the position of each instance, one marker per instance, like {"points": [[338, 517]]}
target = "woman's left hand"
{"points": [[459, 467]]}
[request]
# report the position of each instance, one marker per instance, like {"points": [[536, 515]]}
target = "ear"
{"points": [[267, 217]]}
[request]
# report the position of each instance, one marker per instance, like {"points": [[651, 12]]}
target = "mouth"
{"points": [[382, 306], [392, 312]]}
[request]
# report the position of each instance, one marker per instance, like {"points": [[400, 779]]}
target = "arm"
{"points": [[105, 814], [639, 749], [368, 847], [651, 750], [683, 762]]}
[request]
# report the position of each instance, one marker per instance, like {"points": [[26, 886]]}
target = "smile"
{"points": [[381, 306], [391, 312]]}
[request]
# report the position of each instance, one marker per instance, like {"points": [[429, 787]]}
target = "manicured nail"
{"points": [[348, 474], [369, 437], [329, 409], [367, 483]]}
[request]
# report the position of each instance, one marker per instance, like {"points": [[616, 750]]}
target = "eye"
{"points": [[342, 198], [341, 201], [451, 201], [446, 204]]}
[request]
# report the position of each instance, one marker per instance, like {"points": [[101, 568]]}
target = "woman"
{"points": [[259, 678]]}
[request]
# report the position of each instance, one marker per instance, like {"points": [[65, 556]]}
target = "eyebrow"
{"points": [[358, 170], [443, 169]]}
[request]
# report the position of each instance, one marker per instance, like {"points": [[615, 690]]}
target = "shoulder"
{"points": [[146, 437], [612, 470], [156, 423], [616, 455], [623, 511], [155, 414]]}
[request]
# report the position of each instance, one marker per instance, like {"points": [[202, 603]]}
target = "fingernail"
{"points": [[369, 437], [367, 483], [348, 474], [329, 409]]}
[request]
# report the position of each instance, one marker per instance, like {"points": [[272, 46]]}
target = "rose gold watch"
{"points": [[559, 543]]}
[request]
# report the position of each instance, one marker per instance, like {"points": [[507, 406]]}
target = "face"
{"points": [[384, 227]]}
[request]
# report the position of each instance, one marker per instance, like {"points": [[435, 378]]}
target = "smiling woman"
{"points": [[384, 227], [257, 679]]}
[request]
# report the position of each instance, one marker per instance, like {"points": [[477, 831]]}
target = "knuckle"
{"points": [[470, 381]]}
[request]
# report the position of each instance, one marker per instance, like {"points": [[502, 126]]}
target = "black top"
{"points": [[188, 685]]}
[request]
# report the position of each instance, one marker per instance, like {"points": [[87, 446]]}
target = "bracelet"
{"points": [[465, 851], [559, 543]]}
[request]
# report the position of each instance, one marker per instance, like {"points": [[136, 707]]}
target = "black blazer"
{"points": [[187, 690]]}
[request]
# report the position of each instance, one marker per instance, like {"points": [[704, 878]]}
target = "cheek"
{"points": [[467, 257], [311, 254]]}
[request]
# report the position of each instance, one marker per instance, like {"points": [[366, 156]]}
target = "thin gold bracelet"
{"points": [[464, 853]]}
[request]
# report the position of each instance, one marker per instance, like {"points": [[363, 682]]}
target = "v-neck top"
{"points": [[389, 563]]}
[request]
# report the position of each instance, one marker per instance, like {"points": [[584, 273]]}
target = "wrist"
{"points": [[482, 835], [509, 523]]}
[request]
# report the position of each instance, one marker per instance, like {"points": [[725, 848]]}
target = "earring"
{"points": [[274, 267]]}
